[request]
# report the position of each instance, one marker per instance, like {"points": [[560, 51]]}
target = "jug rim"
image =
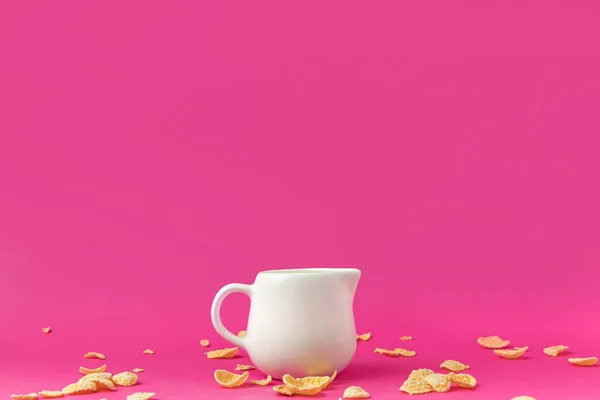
{"points": [[308, 271]]}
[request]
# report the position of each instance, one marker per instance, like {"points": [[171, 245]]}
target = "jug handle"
{"points": [[216, 311]]}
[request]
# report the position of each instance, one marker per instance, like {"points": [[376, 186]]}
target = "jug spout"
{"points": [[350, 276]]}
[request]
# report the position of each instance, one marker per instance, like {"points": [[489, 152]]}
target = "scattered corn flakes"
{"points": [[136, 370], [523, 398], [554, 351], [93, 354], [416, 386], [584, 362], [396, 352], [96, 375], [141, 396], [242, 367], [492, 342], [148, 351], [242, 334], [364, 336], [50, 394], [125, 379], [439, 382], [283, 389], [463, 380], [229, 379], [454, 366], [47, 329], [204, 343], [86, 371], [405, 338], [30, 396], [222, 353], [511, 353], [420, 373], [82, 387], [263, 382], [307, 386], [355, 392]]}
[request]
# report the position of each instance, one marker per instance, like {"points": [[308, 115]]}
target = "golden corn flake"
{"points": [[86, 371], [93, 354], [103, 384], [405, 338], [454, 366], [96, 375], [463, 380], [125, 379], [204, 343], [439, 382], [50, 394], [263, 382], [355, 392], [229, 379], [242, 334], [306, 386], [416, 386], [283, 389], [148, 351], [493, 342], [222, 353], [136, 370], [523, 398], [511, 353], [82, 387], [554, 351], [396, 352], [584, 362], [141, 396], [47, 329], [364, 336], [30, 396], [242, 367], [420, 374]]}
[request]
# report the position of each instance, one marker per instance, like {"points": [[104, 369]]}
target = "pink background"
{"points": [[151, 152]]}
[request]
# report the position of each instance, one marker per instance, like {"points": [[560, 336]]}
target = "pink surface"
{"points": [[152, 152]]}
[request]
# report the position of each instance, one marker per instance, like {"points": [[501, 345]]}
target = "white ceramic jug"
{"points": [[301, 321]]}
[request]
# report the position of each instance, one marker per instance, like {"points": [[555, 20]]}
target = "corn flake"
{"points": [[355, 392], [283, 389], [125, 379], [364, 336], [554, 351], [229, 379], [405, 338], [93, 354], [204, 343], [463, 380], [96, 375], [492, 342], [30, 396], [523, 398], [396, 352], [511, 353], [242, 334], [222, 353], [136, 370], [148, 351], [439, 382], [306, 386], [141, 396], [454, 366], [86, 371], [82, 387], [416, 386], [242, 367], [420, 374], [584, 362], [103, 384], [50, 394], [263, 382], [47, 329]]}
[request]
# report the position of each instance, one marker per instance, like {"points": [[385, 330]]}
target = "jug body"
{"points": [[301, 321]]}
